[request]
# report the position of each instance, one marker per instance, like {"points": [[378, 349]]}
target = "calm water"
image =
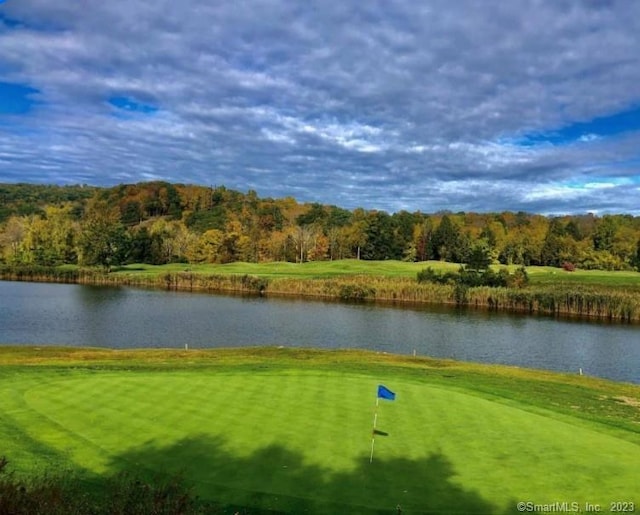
{"points": [[45, 314]]}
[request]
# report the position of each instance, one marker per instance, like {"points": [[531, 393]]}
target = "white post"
{"points": [[373, 433], [373, 440]]}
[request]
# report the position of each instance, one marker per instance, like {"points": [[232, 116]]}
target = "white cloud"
{"points": [[385, 105]]}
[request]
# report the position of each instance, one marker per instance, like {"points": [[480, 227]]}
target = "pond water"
{"points": [[121, 317]]}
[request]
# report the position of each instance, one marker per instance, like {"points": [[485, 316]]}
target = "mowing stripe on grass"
{"points": [[299, 439]]}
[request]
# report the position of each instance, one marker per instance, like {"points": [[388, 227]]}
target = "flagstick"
{"points": [[373, 434], [373, 440]]}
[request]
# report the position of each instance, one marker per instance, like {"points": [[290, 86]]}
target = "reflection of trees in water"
{"points": [[99, 309], [96, 295]]}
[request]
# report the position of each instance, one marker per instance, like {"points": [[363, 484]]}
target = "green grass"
{"points": [[549, 275], [290, 430], [542, 275], [310, 270]]}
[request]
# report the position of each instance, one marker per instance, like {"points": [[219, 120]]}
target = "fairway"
{"points": [[539, 275], [298, 440]]}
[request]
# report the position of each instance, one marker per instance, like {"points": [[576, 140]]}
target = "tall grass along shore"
{"points": [[613, 296]]}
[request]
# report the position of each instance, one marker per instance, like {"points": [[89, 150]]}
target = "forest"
{"points": [[159, 223]]}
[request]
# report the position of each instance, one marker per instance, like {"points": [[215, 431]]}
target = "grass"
{"points": [[544, 275], [289, 431], [613, 296], [538, 275], [278, 269]]}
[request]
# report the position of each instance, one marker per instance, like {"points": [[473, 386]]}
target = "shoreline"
{"points": [[581, 302]]}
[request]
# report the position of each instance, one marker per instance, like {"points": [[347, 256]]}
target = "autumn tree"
{"points": [[49, 239], [209, 246], [103, 239], [11, 239], [303, 238]]}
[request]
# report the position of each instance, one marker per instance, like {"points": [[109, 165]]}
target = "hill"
{"points": [[160, 223]]}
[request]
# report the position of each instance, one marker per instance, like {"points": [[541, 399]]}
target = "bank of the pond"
{"points": [[615, 404], [613, 303]]}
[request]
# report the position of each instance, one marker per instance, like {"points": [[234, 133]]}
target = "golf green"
{"points": [[299, 440]]}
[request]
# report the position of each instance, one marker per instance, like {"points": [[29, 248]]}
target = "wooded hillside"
{"points": [[158, 222]]}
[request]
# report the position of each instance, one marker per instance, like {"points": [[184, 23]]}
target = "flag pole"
{"points": [[373, 433], [384, 393]]}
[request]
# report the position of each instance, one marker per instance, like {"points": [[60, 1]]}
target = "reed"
{"points": [[588, 301]]}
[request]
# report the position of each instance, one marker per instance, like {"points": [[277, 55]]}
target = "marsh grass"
{"points": [[612, 296]]}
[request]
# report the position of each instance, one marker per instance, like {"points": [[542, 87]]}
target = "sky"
{"points": [[460, 105]]}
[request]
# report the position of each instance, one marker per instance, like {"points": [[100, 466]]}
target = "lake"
{"points": [[121, 317]]}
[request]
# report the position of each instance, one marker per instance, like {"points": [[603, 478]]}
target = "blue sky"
{"points": [[529, 105]]}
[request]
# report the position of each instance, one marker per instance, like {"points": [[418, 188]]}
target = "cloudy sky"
{"points": [[470, 105]]}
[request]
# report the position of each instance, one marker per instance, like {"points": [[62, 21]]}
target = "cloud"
{"points": [[388, 105]]}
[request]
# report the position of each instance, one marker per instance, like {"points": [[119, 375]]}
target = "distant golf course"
{"points": [[276, 430], [539, 275]]}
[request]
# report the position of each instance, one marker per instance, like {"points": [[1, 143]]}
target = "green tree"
{"points": [[141, 247], [449, 243], [636, 258], [604, 233], [103, 239], [479, 257], [382, 241], [316, 215], [49, 239], [131, 213]]}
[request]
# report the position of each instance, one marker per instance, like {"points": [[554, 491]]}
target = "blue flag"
{"points": [[385, 393]]}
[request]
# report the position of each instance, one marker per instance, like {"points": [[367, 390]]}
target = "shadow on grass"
{"points": [[200, 475], [277, 480]]}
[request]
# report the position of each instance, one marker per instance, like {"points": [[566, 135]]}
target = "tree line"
{"points": [[159, 222]]}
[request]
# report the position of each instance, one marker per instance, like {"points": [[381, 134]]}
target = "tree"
{"points": [[573, 229], [103, 239], [449, 243], [624, 243], [316, 215], [209, 246], [131, 213], [49, 239], [479, 257], [11, 238], [636, 258], [382, 241], [355, 237], [236, 246], [141, 247], [422, 247], [604, 233], [304, 241]]}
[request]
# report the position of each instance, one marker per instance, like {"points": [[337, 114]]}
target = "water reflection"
{"points": [[40, 313]]}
